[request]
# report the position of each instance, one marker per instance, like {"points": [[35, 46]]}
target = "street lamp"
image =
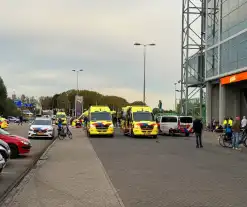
{"points": [[144, 69], [77, 79], [175, 85]]}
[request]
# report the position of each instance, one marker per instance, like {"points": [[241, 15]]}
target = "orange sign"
{"points": [[233, 78]]}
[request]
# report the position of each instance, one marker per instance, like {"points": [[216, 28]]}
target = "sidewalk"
{"points": [[71, 176]]}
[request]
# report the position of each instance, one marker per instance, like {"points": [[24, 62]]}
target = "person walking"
{"points": [[20, 120], [235, 133], [243, 123], [197, 127]]}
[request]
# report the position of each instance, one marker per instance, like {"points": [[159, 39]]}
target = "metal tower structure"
{"points": [[193, 46]]}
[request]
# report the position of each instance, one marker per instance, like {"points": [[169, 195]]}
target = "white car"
{"points": [[41, 127], [2, 163]]}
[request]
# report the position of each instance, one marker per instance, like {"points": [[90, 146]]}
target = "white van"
{"points": [[172, 124]]}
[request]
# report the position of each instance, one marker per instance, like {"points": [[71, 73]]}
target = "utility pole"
{"points": [[144, 67]]}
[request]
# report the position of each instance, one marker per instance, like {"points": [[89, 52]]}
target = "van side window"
{"points": [[169, 119], [187, 120]]}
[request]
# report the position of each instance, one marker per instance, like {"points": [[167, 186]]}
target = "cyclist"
{"points": [[59, 125]]}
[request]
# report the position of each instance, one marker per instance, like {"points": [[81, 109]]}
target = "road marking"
{"points": [[10, 173]]}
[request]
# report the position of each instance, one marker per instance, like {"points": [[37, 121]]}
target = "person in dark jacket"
{"points": [[197, 127]]}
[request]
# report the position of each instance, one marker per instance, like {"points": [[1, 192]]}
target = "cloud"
{"points": [[42, 41]]}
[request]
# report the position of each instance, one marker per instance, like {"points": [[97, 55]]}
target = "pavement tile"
{"points": [[71, 175]]}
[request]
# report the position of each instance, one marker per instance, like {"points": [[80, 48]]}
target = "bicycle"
{"points": [[226, 141], [64, 132]]}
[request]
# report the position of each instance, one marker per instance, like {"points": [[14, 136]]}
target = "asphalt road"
{"points": [[172, 172], [16, 167]]}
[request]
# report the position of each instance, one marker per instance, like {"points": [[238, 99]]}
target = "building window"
{"points": [[212, 62], [233, 17], [233, 54]]}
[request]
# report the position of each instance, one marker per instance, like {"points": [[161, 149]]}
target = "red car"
{"points": [[18, 145]]}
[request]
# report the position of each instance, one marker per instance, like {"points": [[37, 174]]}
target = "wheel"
{"points": [[1, 169], [112, 135], [88, 134], [69, 134], [187, 134], [221, 140], [227, 142], [245, 142], [132, 134], [155, 137], [14, 150]]}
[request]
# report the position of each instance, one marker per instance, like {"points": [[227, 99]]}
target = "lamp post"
{"points": [[77, 79], [77, 84], [144, 67], [175, 85]]}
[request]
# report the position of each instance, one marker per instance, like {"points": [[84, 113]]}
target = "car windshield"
{"points": [[143, 116], [4, 132], [95, 116], [41, 122], [60, 116]]}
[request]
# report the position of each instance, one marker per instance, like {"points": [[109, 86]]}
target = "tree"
{"points": [[7, 106], [46, 102], [138, 103], [3, 95]]}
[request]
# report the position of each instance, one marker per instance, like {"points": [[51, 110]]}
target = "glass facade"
{"points": [[233, 19], [212, 62], [233, 54]]}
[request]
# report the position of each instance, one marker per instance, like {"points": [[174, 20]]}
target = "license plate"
{"points": [[147, 133], [39, 133]]}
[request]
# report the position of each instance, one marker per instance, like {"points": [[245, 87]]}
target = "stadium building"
{"points": [[226, 59], [220, 66]]}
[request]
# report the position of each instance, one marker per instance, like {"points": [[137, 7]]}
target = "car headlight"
{"points": [[24, 142], [111, 126], [31, 129], [92, 126], [136, 126]]}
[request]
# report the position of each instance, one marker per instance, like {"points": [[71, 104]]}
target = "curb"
{"points": [[23, 175]]}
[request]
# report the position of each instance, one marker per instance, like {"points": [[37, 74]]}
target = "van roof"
{"points": [[141, 108], [99, 108]]}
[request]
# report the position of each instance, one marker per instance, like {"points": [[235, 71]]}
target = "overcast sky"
{"points": [[42, 41]]}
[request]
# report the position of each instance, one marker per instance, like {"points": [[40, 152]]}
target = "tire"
{"points": [[245, 142], [226, 142], [69, 134], [187, 134], [112, 135], [132, 134], [221, 140], [88, 134], [14, 151], [155, 137], [1, 170]]}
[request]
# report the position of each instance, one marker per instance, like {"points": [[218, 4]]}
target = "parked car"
{"points": [[2, 163], [5, 150], [41, 127], [18, 145], [13, 119]]}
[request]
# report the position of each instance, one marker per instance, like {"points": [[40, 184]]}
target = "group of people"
{"points": [[233, 129]]}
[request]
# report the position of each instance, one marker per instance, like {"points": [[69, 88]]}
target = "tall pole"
{"points": [[77, 85], [175, 97], [144, 78], [77, 82], [144, 69]]}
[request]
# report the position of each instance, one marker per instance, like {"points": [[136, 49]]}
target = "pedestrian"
{"points": [[243, 123], [21, 120], [197, 127], [236, 133]]}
